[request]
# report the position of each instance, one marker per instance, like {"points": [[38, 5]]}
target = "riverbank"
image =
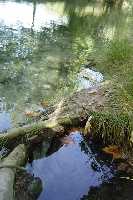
{"points": [[107, 125]]}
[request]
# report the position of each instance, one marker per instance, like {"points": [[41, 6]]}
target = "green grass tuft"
{"points": [[119, 51]]}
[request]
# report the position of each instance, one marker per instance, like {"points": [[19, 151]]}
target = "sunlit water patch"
{"points": [[37, 53], [88, 78], [70, 172], [28, 15]]}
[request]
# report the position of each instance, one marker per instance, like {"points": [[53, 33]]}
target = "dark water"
{"points": [[70, 172], [44, 45]]}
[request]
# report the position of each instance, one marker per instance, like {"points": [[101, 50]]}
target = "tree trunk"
{"points": [[7, 174], [45, 129]]}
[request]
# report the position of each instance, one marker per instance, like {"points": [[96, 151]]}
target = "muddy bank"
{"points": [[80, 103]]}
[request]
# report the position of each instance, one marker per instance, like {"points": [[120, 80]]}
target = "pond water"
{"points": [[48, 50], [44, 44], [70, 172]]}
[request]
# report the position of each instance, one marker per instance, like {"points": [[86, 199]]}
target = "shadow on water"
{"points": [[117, 189], [68, 173]]}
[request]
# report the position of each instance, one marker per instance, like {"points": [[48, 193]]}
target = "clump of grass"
{"points": [[112, 128], [119, 51]]}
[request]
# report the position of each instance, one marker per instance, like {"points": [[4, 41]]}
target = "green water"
{"points": [[44, 44]]}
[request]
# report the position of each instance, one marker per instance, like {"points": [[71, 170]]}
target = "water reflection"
{"points": [[5, 118], [28, 15], [5, 121], [68, 173], [44, 44]]}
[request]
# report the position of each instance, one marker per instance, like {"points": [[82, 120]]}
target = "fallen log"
{"points": [[7, 174], [69, 112], [43, 128], [106, 124]]}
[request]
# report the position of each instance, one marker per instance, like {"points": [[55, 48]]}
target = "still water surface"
{"points": [[44, 45], [71, 172]]}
